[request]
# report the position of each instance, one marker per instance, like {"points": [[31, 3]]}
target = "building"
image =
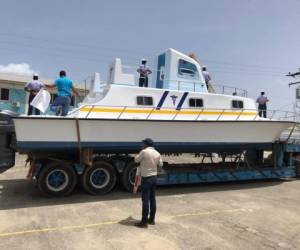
{"points": [[14, 97]]}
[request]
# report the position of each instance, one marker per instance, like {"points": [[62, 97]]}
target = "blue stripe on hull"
{"points": [[162, 100], [182, 100], [133, 147]]}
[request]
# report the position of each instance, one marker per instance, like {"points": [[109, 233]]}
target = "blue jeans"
{"points": [[61, 105], [148, 187]]}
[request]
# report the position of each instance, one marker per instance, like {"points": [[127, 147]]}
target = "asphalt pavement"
{"points": [[244, 215]]}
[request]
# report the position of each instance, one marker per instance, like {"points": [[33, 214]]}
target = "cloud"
{"points": [[17, 68]]}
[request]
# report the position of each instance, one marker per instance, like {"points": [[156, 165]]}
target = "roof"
{"points": [[23, 79]]}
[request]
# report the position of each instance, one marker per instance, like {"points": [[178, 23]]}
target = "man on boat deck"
{"points": [[65, 89], [206, 76], [262, 104], [149, 160], [144, 72], [33, 88]]}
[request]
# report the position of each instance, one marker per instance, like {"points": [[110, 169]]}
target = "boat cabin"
{"points": [[177, 91]]}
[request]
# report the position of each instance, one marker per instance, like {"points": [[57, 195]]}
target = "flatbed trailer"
{"points": [[57, 173]]}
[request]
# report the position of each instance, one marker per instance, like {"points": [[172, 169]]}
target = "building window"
{"points": [[237, 104], [144, 100], [186, 68], [4, 94], [72, 101], [297, 93], [195, 102], [53, 96]]}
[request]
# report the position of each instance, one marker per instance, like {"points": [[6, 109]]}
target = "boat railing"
{"points": [[192, 84], [192, 113], [227, 90], [281, 115]]}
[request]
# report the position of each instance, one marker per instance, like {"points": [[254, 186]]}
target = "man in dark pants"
{"points": [[262, 105], [144, 71], [149, 160], [33, 88]]}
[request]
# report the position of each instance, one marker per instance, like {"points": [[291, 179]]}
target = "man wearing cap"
{"points": [[149, 160], [33, 87], [262, 105], [144, 71]]}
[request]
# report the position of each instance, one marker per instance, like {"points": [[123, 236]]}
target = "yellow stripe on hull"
{"points": [[164, 112]]}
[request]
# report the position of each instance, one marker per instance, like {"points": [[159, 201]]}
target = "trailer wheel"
{"points": [[57, 179], [100, 178], [128, 176]]}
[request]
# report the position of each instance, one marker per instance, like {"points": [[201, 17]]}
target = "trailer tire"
{"points": [[57, 179], [100, 178], [128, 176]]}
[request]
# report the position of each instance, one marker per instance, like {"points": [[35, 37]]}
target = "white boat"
{"points": [[177, 111]]}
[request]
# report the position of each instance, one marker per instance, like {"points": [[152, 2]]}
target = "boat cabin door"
{"points": [[160, 76]]}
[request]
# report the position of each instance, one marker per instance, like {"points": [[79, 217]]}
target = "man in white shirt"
{"points": [[149, 160], [144, 71], [33, 87], [206, 76], [262, 105]]}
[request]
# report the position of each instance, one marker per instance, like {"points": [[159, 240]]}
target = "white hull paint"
{"points": [[101, 130]]}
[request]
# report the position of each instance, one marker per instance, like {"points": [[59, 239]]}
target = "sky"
{"points": [[250, 44]]}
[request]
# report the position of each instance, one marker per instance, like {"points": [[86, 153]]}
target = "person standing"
{"points": [[33, 87], [65, 89], [146, 175], [206, 76], [262, 105], [144, 71]]}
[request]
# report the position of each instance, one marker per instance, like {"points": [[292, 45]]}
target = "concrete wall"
{"points": [[18, 97]]}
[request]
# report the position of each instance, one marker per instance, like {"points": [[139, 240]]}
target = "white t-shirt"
{"points": [[262, 100], [149, 160]]}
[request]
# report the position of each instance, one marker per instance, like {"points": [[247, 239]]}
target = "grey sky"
{"points": [[250, 44]]}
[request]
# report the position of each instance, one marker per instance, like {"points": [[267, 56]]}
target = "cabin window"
{"points": [[237, 104], [195, 102], [144, 100], [186, 68], [4, 94]]}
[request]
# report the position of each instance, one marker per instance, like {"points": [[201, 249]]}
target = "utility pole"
{"points": [[296, 77]]}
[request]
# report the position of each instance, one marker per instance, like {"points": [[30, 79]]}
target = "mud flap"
{"points": [[7, 141]]}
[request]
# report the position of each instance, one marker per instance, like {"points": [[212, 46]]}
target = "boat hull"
{"points": [[103, 135]]}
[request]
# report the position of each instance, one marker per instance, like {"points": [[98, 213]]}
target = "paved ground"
{"points": [[248, 215]]}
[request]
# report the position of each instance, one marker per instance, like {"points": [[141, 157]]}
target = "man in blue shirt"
{"points": [[65, 89]]}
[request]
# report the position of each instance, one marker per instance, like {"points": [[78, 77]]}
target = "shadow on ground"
{"points": [[130, 221], [20, 193]]}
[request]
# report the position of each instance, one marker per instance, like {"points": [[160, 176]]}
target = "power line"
{"points": [[89, 47]]}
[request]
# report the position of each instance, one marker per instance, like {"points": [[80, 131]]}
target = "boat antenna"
{"points": [[296, 75]]}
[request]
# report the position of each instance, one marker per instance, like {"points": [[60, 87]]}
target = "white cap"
{"points": [[36, 74], [143, 59]]}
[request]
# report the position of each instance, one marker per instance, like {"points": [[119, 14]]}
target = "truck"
{"points": [[57, 173]]}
